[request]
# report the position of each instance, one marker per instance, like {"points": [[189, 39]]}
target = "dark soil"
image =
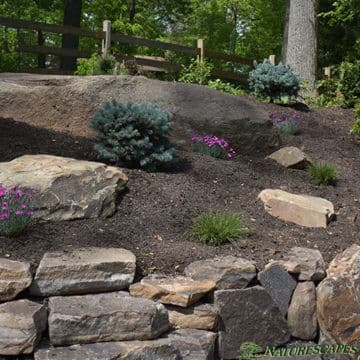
{"points": [[154, 216]]}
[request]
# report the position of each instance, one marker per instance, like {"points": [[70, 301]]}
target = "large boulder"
{"points": [[248, 315], [338, 299], [304, 210], [21, 324], [66, 188], [85, 270], [198, 316], [15, 276], [194, 344], [305, 263], [160, 349], [179, 290], [59, 102], [115, 316], [229, 272]]}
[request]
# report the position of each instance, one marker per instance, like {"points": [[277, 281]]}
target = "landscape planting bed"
{"points": [[154, 216]]}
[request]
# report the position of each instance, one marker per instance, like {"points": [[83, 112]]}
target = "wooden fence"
{"points": [[108, 37]]}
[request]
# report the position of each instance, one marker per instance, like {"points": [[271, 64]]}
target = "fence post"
{"points": [[107, 41], [272, 59], [201, 46], [328, 72]]}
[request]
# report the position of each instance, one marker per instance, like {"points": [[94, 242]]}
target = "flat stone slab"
{"points": [[229, 272], [307, 264], [302, 318], [160, 349], [112, 316], [21, 324], [179, 291], [279, 284], [248, 315], [304, 210], [66, 188], [84, 270], [15, 276], [194, 344], [198, 316], [290, 157]]}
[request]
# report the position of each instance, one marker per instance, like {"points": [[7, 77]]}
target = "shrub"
{"points": [[198, 72], [225, 87], [288, 123], [15, 211], [134, 135], [97, 65], [355, 128], [215, 228], [323, 173], [212, 146], [274, 81]]}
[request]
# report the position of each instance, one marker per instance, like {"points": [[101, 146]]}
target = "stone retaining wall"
{"points": [[84, 305]]}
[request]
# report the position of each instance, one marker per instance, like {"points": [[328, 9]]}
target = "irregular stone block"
{"points": [[290, 157], [21, 325], [248, 315], [229, 272], [200, 316], [279, 284], [179, 291], [304, 210], [66, 188], [307, 263], [160, 349], [338, 299], [105, 317], [15, 276], [194, 344], [85, 270]]}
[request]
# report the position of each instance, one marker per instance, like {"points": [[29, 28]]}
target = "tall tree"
{"points": [[300, 38], [72, 17]]}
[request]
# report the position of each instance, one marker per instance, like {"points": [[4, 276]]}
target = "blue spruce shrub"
{"points": [[134, 135], [274, 81]]}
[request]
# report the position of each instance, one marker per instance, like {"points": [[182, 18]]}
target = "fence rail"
{"points": [[108, 37]]}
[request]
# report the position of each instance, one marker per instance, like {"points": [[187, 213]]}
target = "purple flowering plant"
{"points": [[288, 123], [15, 210], [213, 146]]}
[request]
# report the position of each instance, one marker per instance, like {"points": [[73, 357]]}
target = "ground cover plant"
{"points": [[288, 123], [134, 135], [323, 173], [15, 210], [218, 228], [213, 146]]}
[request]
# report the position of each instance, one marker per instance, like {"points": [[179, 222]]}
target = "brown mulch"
{"points": [[154, 216]]}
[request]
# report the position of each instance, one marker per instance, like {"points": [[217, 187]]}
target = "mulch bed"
{"points": [[154, 216]]}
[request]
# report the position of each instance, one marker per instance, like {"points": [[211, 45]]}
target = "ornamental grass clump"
{"points": [[323, 173], [288, 123], [15, 210], [213, 146], [217, 228], [134, 135]]}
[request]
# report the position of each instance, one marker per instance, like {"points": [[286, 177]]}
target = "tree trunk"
{"points": [[72, 17], [41, 57], [286, 33], [300, 39], [132, 10]]}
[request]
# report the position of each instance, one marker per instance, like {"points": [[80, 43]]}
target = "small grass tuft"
{"points": [[216, 228], [323, 173]]}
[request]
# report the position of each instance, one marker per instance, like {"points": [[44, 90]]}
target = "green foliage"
{"points": [[97, 65], [355, 128], [225, 87], [323, 173], [274, 81], [134, 135], [198, 72], [216, 228]]}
